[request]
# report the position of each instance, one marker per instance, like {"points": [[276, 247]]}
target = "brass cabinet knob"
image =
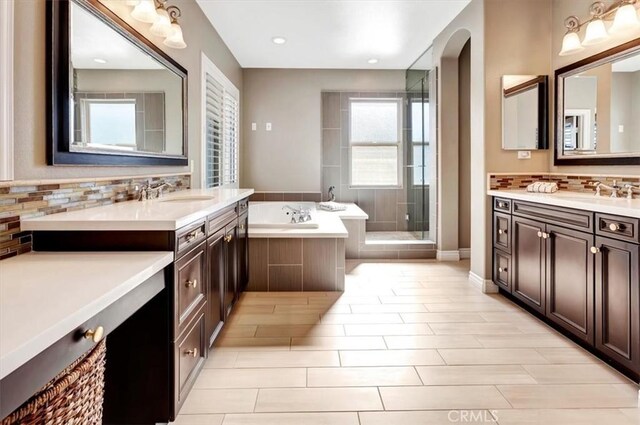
{"points": [[615, 227], [242, 227], [546, 236], [193, 352], [539, 234], [95, 335], [228, 238], [502, 205], [502, 270], [192, 236], [595, 250], [502, 231], [191, 283]]}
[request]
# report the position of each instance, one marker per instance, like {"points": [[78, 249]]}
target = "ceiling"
{"points": [[341, 34], [92, 39]]}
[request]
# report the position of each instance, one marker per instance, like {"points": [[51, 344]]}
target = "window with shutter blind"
{"points": [[221, 113]]}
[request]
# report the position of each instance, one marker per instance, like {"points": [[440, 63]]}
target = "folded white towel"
{"points": [[332, 206], [543, 187]]}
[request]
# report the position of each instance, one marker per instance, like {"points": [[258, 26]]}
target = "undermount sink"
{"points": [[189, 198]]}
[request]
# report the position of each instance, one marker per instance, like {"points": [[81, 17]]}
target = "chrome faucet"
{"points": [[298, 215], [615, 189], [149, 192], [332, 196], [630, 190]]}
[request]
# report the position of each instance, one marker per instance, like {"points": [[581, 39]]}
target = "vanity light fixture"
{"points": [[622, 12], [279, 40], [164, 20], [372, 61]]}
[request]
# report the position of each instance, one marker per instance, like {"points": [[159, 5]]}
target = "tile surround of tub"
{"points": [[24, 199], [286, 196], [569, 182], [296, 264]]}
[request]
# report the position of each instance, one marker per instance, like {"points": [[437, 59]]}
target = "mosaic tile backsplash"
{"points": [[19, 201], [573, 183]]}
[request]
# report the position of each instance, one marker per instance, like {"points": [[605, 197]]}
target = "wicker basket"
{"points": [[74, 397]]}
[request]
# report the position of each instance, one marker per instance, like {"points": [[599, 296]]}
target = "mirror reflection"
{"points": [[602, 110], [124, 100], [524, 112]]}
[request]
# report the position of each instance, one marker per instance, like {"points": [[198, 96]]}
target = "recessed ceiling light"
{"points": [[279, 40], [373, 61], [98, 60]]}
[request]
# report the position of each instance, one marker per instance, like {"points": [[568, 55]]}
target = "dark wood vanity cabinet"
{"points": [[216, 261], [579, 270]]}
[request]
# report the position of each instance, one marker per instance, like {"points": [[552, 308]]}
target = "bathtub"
{"points": [[273, 215]]}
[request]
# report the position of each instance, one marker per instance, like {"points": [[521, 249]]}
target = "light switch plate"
{"points": [[524, 154], [268, 126], [254, 126]]}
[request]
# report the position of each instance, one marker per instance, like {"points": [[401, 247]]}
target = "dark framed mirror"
{"points": [[598, 109], [113, 97], [525, 112]]}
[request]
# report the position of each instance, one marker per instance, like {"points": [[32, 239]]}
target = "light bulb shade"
{"points": [[596, 33], [571, 44], [626, 20], [132, 2], [162, 26], [145, 11], [175, 40]]}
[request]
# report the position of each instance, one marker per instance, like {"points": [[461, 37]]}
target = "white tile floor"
{"points": [[406, 344]]}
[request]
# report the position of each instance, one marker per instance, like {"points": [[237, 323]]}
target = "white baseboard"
{"points": [[485, 285], [448, 255], [465, 253]]}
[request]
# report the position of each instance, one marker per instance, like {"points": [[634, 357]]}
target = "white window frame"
{"points": [[399, 145], [85, 121], [6, 90], [208, 67]]}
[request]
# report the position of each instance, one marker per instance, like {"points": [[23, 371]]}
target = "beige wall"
{"points": [[464, 147], [560, 10], [288, 158], [30, 79]]}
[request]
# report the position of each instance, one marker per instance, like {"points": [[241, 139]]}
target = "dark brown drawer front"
{"points": [[502, 231], [502, 269], [190, 355], [503, 205], [220, 219], [573, 219], [190, 284], [622, 228], [190, 236]]}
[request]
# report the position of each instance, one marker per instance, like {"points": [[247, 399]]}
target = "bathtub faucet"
{"points": [[298, 215]]}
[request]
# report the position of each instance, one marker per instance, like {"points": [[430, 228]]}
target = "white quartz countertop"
{"points": [[159, 214], [46, 295], [582, 201]]}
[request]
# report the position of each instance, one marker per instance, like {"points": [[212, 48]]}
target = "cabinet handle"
{"points": [[191, 283], [546, 236], [193, 352], [539, 234], [228, 238], [242, 227], [595, 250], [501, 270], [192, 236], [502, 231], [502, 205], [615, 227], [95, 335]]}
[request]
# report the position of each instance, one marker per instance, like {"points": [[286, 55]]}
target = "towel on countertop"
{"points": [[542, 187], [332, 206]]}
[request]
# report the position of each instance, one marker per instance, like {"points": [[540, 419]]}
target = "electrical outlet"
{"points": [[254, 126], [524, 154], [268, 126]]}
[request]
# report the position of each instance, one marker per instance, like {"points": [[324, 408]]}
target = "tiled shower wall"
{"points": [[574, 183], [387, 208], [20, 200]]}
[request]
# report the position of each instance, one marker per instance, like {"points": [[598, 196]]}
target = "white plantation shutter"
{"points": [[221, 123]]}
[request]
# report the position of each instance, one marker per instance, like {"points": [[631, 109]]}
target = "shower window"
{"points": [[419, 140], [375, 142]]}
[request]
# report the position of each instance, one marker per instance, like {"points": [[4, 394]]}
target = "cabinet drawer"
{"points": [[190, 284], [502, 269], [220, 219], [622, 228], [189, 356], [243, 205], [501, 204], [566, 217], [190, 236], [502, 231]]}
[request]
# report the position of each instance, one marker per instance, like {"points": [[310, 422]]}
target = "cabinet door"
{"points": [[231, 267], [569, 281], [502, 231], [617, 303], [528, 262], [243, 252], [502, 270], [216, 284]]}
